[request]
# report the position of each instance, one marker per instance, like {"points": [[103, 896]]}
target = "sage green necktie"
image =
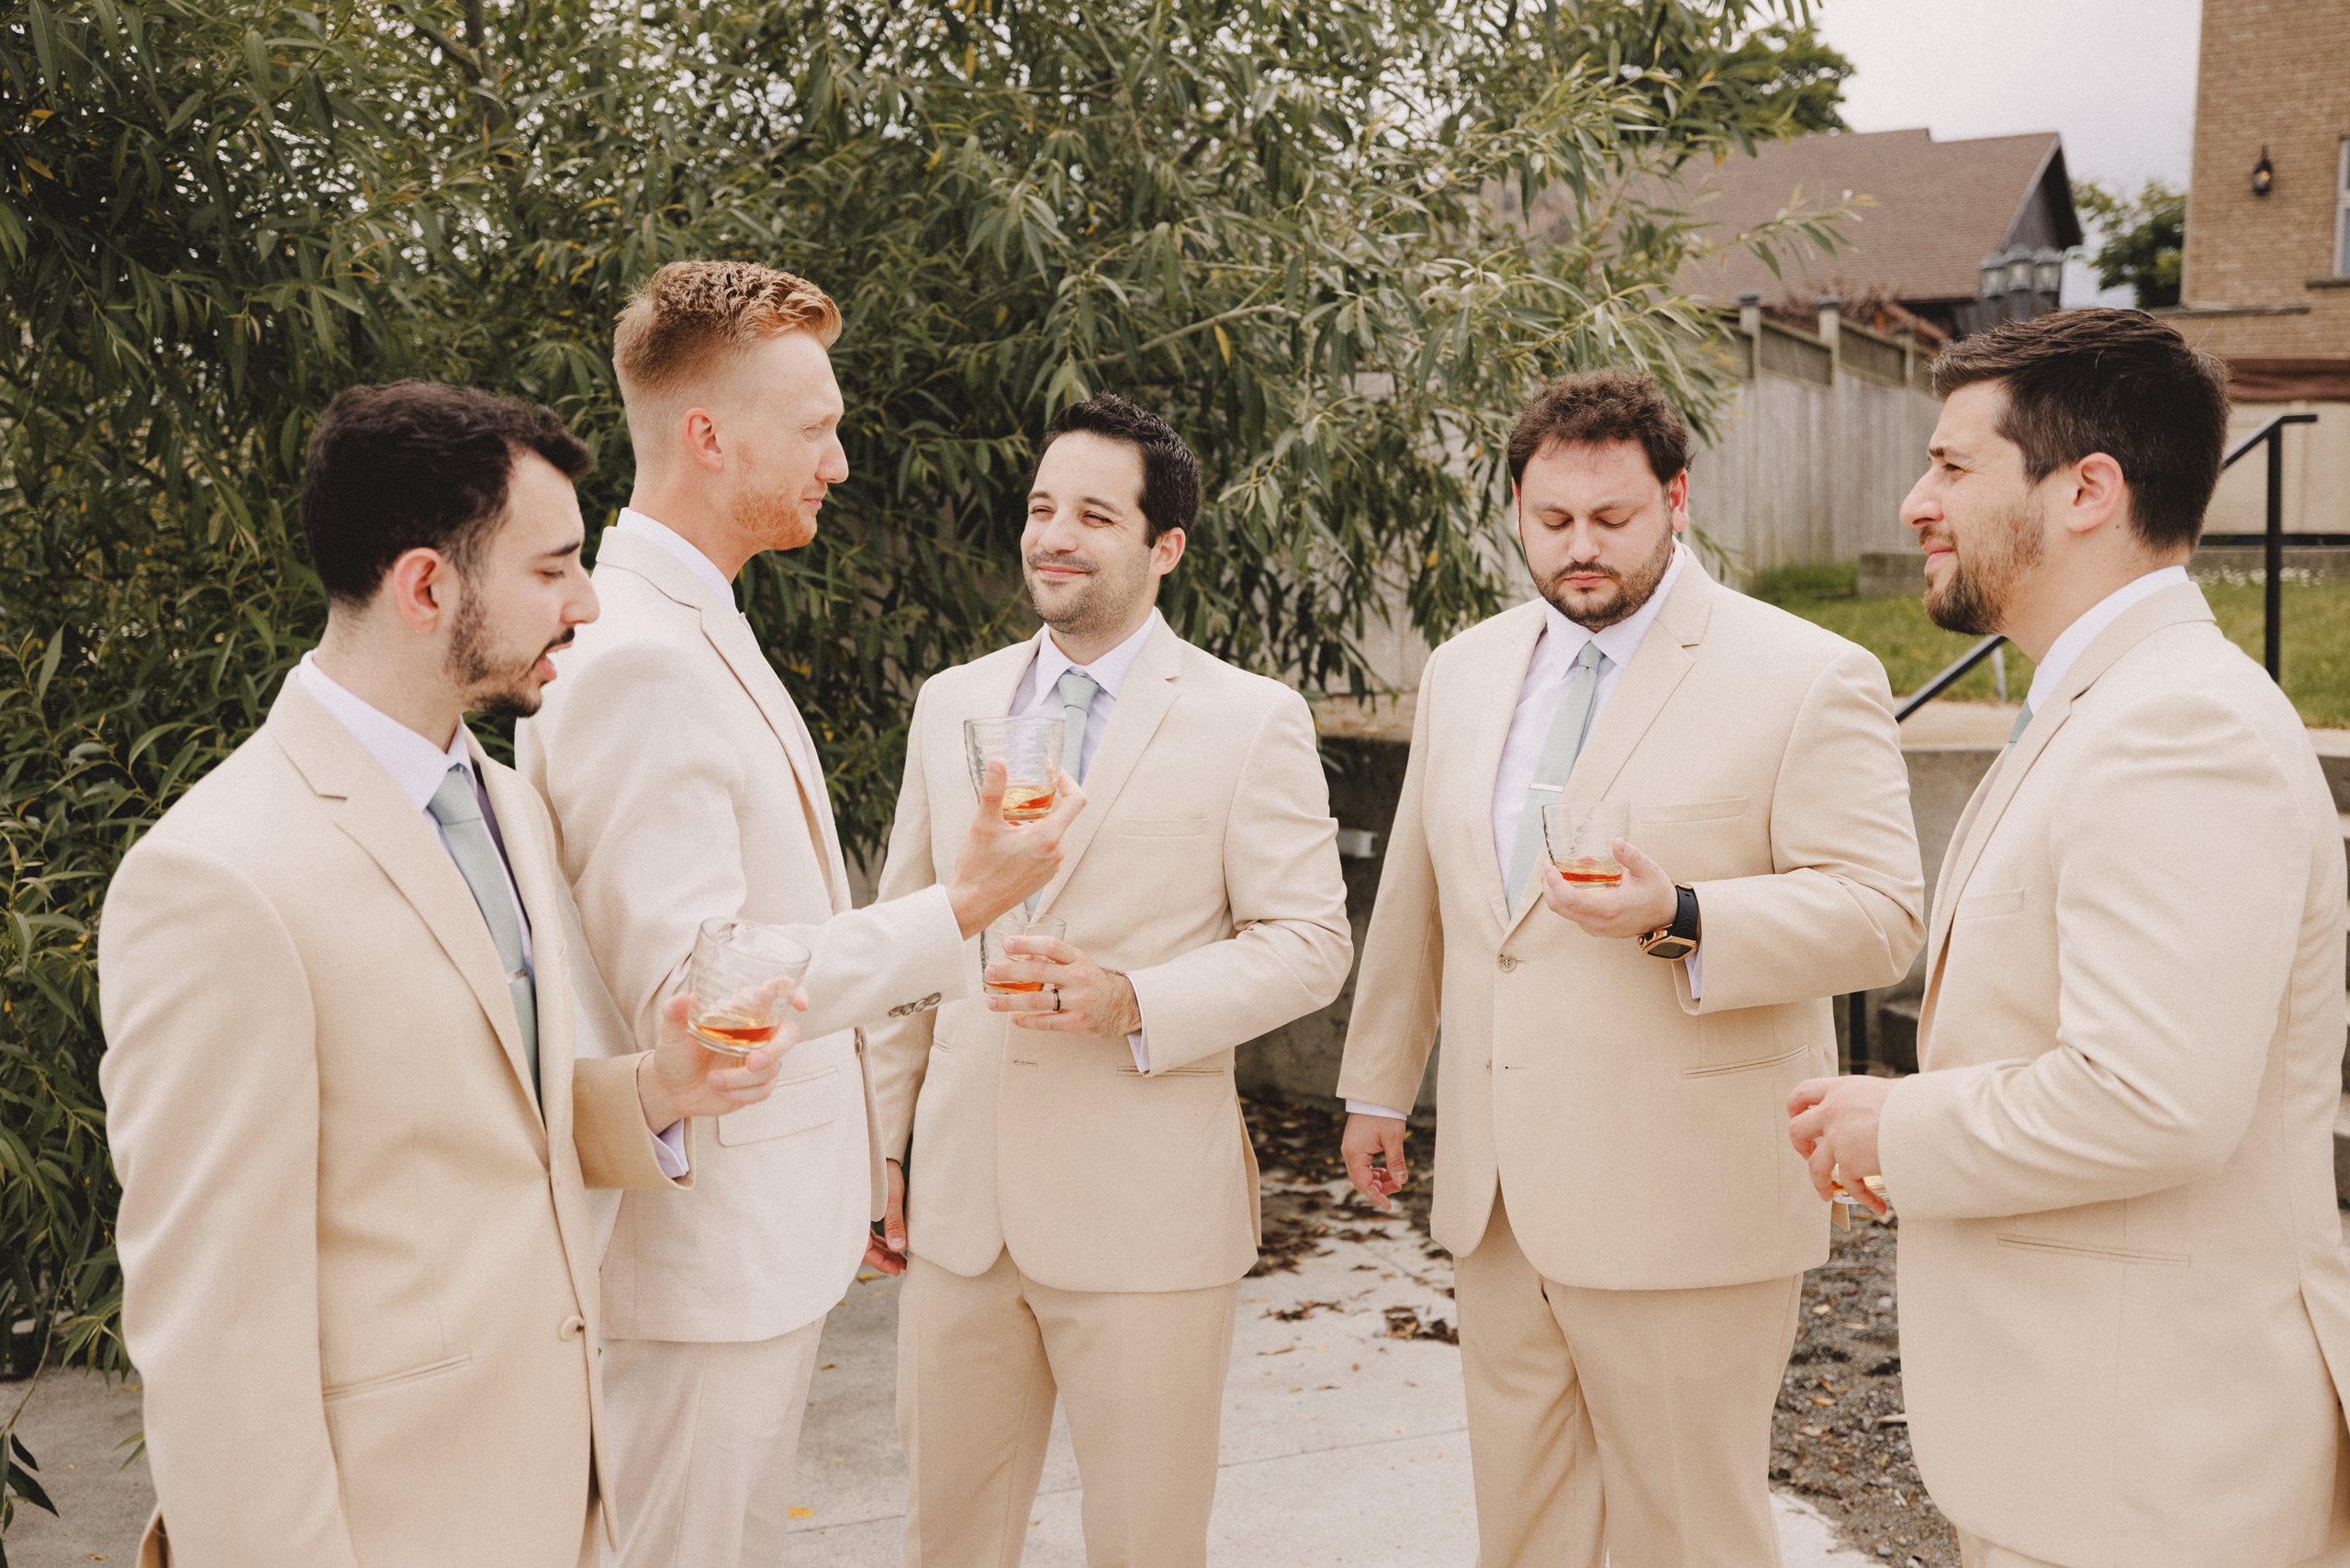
{"points": [[1559, 749], [2022, 720], [1077, 690], [458, 811]]}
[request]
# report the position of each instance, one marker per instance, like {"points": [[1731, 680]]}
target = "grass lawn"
{"points": [[2317, 635]]}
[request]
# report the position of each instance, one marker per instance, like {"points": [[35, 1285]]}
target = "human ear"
{"points": [[2094, 495], [416, 583]]}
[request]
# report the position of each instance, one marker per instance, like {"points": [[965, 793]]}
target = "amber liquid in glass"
{"points": [[1008, 988], [731, 1032], [1026, 802], [1586, 870]]}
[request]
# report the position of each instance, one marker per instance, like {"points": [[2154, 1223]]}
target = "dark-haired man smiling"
{"points": [[1083, 1202], [2125, 1321]]}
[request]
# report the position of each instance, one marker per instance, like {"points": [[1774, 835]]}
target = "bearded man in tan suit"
{"points": [[687, 788], [1083, 1199], [1628, 1235], [360, 1281], [2125, 1320]]}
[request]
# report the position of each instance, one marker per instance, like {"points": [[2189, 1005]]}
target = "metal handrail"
{"points": [[2272, 434]]}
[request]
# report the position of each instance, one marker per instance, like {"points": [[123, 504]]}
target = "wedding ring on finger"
{"points": [[1057, 999]]}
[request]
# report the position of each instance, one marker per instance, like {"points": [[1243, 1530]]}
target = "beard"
{"points": [[777, 521], [1630, 592], [1974, 600], [1103, 602], [494, 684]]}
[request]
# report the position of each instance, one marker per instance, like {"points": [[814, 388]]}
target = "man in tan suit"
{"points": [[685, 787], [360, 1285], [2125, 1321], [1083, 1199], [1628, 1235]]}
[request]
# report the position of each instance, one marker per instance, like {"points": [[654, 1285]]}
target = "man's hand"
{"points": [[1832, 1122], [1079, 997], [1366, 1136], [682, 1076], [1642, 902], [1001, 863], [887, 1251]]}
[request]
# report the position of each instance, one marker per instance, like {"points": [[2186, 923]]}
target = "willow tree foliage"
{"points": [[1286, 226]]}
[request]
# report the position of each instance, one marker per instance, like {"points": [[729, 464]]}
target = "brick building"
{"points": [[2266, 281]]}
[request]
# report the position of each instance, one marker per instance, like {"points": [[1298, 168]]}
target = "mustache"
{"points": [[1068, 563], [570, 634], [1588, 568]]}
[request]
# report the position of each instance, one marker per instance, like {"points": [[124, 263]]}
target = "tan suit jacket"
{"points": [[1205, 867], [1640, 1136], [685, 787], [2124, 1313], [360, 1277]]}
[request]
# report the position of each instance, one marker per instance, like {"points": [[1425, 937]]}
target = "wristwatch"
{"points": [[1679, 939]]}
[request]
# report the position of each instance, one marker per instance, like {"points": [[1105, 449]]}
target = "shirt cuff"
{"points": [[1139, 1041], [1695, 963], [669, 1149], [1365, 1108]]}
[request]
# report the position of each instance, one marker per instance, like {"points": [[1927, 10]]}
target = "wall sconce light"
{"points": [[2047, 271], [1994, 275], [2264, 174]]}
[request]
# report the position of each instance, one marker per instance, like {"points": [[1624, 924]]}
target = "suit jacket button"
{"points": [[1508, 963], [572, 1326]]}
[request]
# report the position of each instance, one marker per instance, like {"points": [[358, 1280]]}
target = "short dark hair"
{"points": [[415, 464], [2112, 381], [1170, 474], [1598, 406]]}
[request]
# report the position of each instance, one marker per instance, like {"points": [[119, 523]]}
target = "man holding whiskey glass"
{"points": [[1629, 1225], [1204, 906]]}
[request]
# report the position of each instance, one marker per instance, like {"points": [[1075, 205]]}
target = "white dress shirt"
{"points": [[1038, 697], [1547, 674], [418, 765], [687, 554], [2075, 639]]}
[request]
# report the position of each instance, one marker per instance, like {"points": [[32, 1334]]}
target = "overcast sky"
{"points": [[2115, 78]]}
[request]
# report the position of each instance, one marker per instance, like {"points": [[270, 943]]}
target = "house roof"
{"points": [[1940, 207]]}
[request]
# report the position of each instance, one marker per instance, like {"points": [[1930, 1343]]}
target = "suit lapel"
{"points": [[399, 838], [731, 636], [1496, 702], [1151, 689], [1657, 669], [2168, 608]]}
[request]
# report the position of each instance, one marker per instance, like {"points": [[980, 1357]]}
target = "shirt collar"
{"points": [[416, 765], [1562, 640], [1109, 671], [687, 556], [2073, 640]]}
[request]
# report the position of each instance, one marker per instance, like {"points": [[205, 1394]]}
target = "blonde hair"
{"points": [[691, 318]]}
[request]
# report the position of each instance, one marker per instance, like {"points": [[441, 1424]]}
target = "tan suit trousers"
{"points": [[1974, 1551], [1627, 1426], [705, 1438], [980, 1361]]}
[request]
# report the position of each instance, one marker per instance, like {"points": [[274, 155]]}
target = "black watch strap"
{"points": [[1679, 939]]}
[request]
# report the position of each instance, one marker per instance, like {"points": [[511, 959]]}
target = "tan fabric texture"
{"points": [[2125, 1318], [360, 1269], [1640, 1136], [980, 1361], [704, 1439], [1205, 867], [1625, 1427], [685, 787]]}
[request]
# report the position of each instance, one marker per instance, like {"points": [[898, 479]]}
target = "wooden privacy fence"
{"points": [[1825, 436]]}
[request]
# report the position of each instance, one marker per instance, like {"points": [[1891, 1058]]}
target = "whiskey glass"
{"points": [[1030, 750], [738, 984], [1581, 837]]}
